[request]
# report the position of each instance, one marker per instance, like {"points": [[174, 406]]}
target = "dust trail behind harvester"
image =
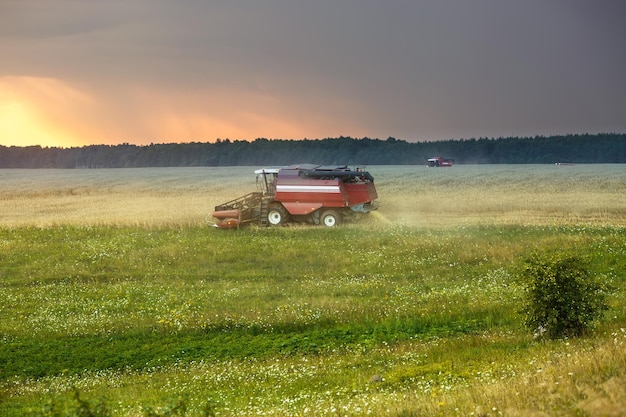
{"points": [[380, 216]]}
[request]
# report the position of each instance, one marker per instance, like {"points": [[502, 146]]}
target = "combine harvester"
{"points": [[439, 162], [301, 193]]}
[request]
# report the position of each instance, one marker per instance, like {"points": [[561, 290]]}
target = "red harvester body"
{"points": [[439, 162]]}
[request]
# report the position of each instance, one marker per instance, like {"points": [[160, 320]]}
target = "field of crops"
{"points": [[117, 295], [409, 195]]}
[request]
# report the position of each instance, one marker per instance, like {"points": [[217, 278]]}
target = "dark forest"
{"points": [[584, 148]]}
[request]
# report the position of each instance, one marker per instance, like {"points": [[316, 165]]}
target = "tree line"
{"points": [[584, 148]]}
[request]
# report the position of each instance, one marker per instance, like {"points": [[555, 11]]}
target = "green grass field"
{"points": [[112, 285]]}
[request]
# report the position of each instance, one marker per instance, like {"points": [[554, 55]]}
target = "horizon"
{"points": [[228, 140]]}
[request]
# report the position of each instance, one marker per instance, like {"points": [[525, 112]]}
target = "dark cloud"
{"points": [[411, 69]]}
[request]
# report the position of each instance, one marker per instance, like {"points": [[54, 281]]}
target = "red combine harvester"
{"points": [[301, 193], [439, 162]]}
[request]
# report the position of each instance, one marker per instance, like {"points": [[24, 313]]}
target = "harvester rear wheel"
{"points": [[329, 218], [277, 215]]}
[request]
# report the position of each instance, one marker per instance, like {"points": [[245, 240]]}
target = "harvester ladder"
{"points": [[263, 211]]}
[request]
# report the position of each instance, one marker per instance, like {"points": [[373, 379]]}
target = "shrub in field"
{"points": [[179, 409], [562, 299], [86, 408], [83, 408]]}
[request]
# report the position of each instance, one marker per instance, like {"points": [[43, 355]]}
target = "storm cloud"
{"points": [[144, 71]]}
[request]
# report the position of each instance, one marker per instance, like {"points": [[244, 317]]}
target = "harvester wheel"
{"points": [[277, 216], [330, 218]]}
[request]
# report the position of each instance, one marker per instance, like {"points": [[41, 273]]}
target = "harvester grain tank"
{"points": [[309, 193]]}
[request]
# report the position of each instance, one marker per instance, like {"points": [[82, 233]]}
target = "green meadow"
{"points": [[411, 311]]}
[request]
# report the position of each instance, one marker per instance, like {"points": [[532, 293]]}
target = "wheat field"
{"points": [[411, 195]]}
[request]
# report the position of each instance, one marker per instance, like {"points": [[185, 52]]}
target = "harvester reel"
{"points": [[277, 215], [330, 218]]}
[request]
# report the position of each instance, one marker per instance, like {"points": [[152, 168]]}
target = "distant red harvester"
{"points": [[438, 161], [304, 193]]}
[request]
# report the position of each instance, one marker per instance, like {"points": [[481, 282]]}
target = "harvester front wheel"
{"points": [[277, 216], [330, 218]]}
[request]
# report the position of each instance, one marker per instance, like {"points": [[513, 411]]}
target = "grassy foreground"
{"points": [[364, 319]]}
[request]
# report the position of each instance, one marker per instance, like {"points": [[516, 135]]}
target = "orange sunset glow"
{"points": [[52, 113], [49, 112], [29, 112]]}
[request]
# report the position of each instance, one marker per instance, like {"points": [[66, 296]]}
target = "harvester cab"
{"points": [[266, 180]]}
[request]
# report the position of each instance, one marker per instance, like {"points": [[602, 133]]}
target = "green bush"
{"points": [[561, 297], [86, 408], [83, 408]]}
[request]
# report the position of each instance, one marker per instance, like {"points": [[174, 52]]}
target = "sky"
{"points": [[81, 72]]}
